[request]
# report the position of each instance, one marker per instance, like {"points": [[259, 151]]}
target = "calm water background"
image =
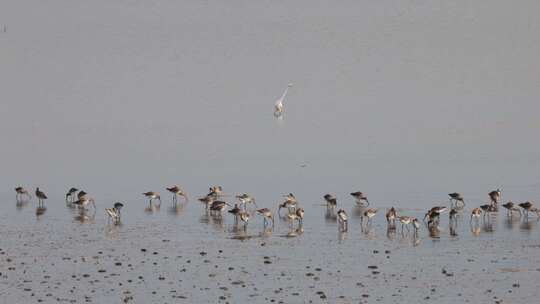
{"points": [[405, 100]]}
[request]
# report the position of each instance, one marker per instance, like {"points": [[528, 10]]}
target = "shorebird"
{"points": [[114, 212], [331, 200], [70, 195], [475, 214], [405, 221], [359, 196], [215, 191], [41, 196], [416, 225], [456, 197], [297, 215], [495, 196], [85, 201], [510, 208], [235, 211], [218, 206], [245, 199], [278, 107], [369, 213], [488, 209], [152, 196], [207, 200], [81, 194], [244, 217], [177, 191], [343, 220], [20, 192], [391, 216], [290, 203], [267, 215], [527, 206], [434, 213]]}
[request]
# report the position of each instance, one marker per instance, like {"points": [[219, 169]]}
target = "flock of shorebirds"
{"points": [[242, 209]]}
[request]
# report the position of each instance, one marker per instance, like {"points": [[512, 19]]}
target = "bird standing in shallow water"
{"points": [[41, 197], [152, 196], [20, 192], [456, 198], [343, 220], [85, 201], [245, 199], [177, 191], [290, 203], [495, 196], [267, 215], [298, 215], [475, 214], [528, 207], [360, 198], [244, 217], [331, 200], [70, 195], [391, 216], [114, 212], [510, 208], [369, 214], [405, 221], [235, 211]]}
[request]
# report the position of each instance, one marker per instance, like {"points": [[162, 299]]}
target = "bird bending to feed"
{"points": [[85, 201], [218, 206], [114, 212], [41, 196], [177, 191], [81, 194], [245, 199], [215, 191], [453, 214], [244, 217], [267, 215], [434, 213], [391, 216], [369, 213], [235, 211], [510, 208], [20, 192], [207, 200], [70, 195], [152, 196], [298, 215], [529, 207], [405, 221], [331, 200], [290, 203], [278, 107], [343, 220], [360, 198], [488, 209], [456, 197]]}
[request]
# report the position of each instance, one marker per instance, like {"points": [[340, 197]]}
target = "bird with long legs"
{"points": [[244, 217], [41, 197], [416, 225], [267, 216], [278, 106], [360, 197], [20, 192], [82, 194], [343, 220], [511, 208], [453, 215], [456, 198], [433, 215], [391, 216], [405, 221], [488, 210], [495, 198], [331, 200], [177, 191], [84, 202], [290, 203], [152, 196], [114, 212], [369, 214], [297, 215], [527, 207], [235, 211], [218, 206]]}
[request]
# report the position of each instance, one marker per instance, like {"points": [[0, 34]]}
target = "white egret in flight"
{"points": [[278, 108]]}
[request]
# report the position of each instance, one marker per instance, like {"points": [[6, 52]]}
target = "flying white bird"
{"points": [[278, 108]]}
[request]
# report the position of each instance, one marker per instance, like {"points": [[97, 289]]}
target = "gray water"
{"points": [[406, 101]]}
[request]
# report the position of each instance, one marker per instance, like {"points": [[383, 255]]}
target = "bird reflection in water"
{"points": [[266, 232], [391, 232], [434, 231], [176, 209], [40, 210], [330, 215], [342, 235], [152, 208]]}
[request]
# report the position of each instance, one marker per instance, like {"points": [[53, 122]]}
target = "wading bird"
{"points": [[152, 196], [331, 200], [20, 192], [267, 215], [475, 214], [343, 220], [177, 191], [245, 199], [114, 212], [40, 196], [85, 201], [235, 211], [278, 106], [405, 221], [298, 215], [360, 198], [511, 208], [434, 214], [391, 216], [495, 196], [70, 195], [290, 203], [456, 198], [369, 214], [527, 207]]}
